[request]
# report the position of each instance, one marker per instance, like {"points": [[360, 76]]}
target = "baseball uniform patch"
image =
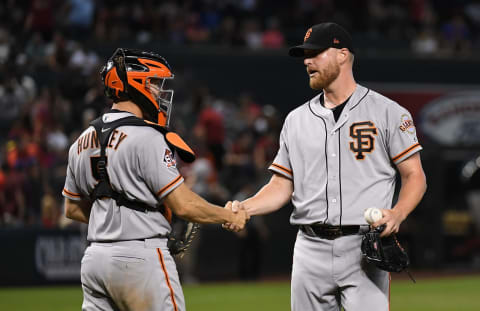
{"points": [[406, 124], [168, 159]]}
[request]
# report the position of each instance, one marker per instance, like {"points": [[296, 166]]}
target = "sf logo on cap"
{"points": [[307, 35]]}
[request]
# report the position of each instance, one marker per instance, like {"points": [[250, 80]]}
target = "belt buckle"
{"points": [[333, 233], [308, 229]]}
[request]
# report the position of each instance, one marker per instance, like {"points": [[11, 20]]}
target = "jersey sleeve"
{"points": [[403, 140], [281, 163], [159, 166], [70, 189]]}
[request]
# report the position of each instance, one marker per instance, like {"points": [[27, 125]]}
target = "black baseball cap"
{"points": [[321, 37]]}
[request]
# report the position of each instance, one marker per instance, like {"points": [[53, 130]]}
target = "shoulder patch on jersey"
{"points": [[406, 124], [168, 159]]}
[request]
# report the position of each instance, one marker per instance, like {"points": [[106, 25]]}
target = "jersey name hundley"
{"points": [[90, 140]]}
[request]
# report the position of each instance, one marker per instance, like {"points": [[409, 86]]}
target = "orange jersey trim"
{"points": [[284, 169], [164, 268], [76, 195], [170, 185], [401, 154]]}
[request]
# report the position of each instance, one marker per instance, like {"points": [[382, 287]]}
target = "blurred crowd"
{"points": [[427, 26], [235, 139], [40, 123]]}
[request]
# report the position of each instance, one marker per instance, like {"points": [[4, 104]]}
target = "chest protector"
{"points": [[104, 189]]}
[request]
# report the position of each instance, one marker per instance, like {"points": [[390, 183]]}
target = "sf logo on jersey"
{"points": [[363, 138], [169, 159]]}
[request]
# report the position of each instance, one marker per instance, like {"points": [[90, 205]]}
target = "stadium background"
{"points": [[234, 84]]}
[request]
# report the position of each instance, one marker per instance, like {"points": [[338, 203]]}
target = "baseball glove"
{"points": [[386, 252], [182, 234]]}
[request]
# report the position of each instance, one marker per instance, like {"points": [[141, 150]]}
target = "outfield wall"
{"points": [[34, 256]]}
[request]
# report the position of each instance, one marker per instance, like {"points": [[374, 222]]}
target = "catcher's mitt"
{"points": [[386, 252], [182, 234]]}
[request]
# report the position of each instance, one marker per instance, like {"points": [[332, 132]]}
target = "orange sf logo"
{"points": [[335, 41], [307, 35]]}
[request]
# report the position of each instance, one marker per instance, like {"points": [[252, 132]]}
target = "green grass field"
{"points": [[434, 294]]}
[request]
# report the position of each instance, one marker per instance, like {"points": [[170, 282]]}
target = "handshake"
{"points": [[239, 216]]}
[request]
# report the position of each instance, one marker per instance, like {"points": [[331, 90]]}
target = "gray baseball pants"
{"points": [[328, 274], [130, 275]]}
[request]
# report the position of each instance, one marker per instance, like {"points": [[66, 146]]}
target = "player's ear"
{"points": [[343, 56]]}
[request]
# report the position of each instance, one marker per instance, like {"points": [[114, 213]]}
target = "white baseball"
{"points": [[372, 214]]}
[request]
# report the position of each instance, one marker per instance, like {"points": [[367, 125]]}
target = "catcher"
{"points": [[122, 179]]}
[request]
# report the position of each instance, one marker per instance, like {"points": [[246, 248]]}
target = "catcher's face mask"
{"points": [[162, 96]]}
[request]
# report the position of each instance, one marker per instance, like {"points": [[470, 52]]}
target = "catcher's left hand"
{"points": [[182, 234]]}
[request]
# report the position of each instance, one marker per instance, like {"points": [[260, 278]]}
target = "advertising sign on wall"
{"points": [[453, 120], [35, 256]]}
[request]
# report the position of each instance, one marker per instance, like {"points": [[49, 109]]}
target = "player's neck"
{"points": [[128, 106], [339, 90]]}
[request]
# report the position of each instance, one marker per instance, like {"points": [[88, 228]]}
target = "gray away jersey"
{"points": [[139, 165], [341, 168]]}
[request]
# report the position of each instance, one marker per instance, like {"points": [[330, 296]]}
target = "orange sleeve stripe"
{"points": [[77, 195], [401, 154], [284, 169], [164, 268], [170, 185]]}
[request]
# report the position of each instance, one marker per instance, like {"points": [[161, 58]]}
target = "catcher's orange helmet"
{"points": [[141, 77]]}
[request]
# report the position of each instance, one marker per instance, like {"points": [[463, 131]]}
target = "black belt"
{"points": [[330, 232]]}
